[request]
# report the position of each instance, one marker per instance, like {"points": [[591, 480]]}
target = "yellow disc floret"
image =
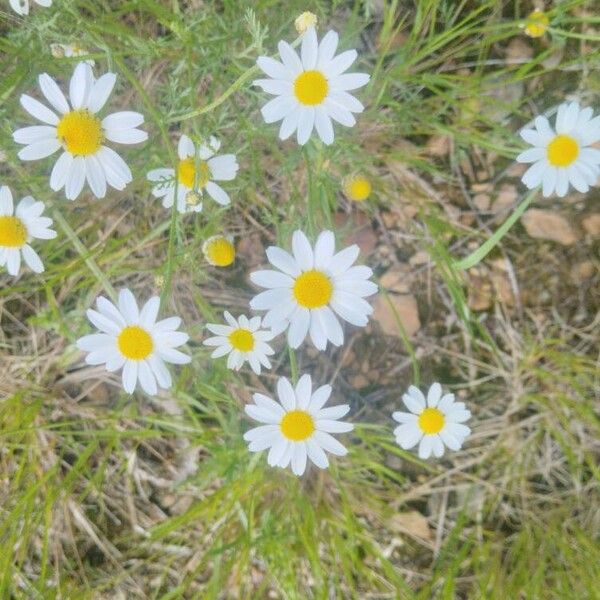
{"points": [[431, 421], [80, 132], [537, 23], [242, 340], [311, 88], [313, 289], [135, 343], [357, 188], [219, 251], [562, 151], [13, 233], [192, 175], [297, 425], [304, 21]]}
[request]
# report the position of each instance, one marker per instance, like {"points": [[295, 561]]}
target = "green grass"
{"points": [[108, 496]]}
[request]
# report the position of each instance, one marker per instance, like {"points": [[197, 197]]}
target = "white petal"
{"points": [[80, 85], [130, 376], [273, 68], [149, 312], [434, 395], [283, 260], [305, 125], [100, 92], [95, 176], [299, 459], [118, 174], [303, 391], [286, 394], [128, 307], [309, 49], [123, 120], [324, 126], [329, 443], [319, 398], [126, 136], [35, 133], [75, 178], [60, 171], [39, 150], [298, 329], [327, 48], [302, 250], [6, 201], [426, 447], [32, 259], [53, 93], [38, 110], [217, 193], [271, 279]]}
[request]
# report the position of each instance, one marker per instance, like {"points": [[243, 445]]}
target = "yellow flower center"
{"points": [[13, 233], [313, 289], [219, 252], [80, 132], [431, 420], [537, 24], [562, 151], [297, 425], [242, 340], [189, 173], [135, 343], [358, 189], [311, 87]]}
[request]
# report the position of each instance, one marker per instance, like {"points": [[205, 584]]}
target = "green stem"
{"points": [[84, 253], [234, 87], [485, 248], [293, 365]]}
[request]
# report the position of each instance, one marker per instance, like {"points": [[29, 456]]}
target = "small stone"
{"points": [[506, 198], [394, 280], [406, 308], [438, 145], [482, 202], [359, 381], [583, 271], [420, 258], [591, 224], [361, 231], [479, 296], [550, 225]]}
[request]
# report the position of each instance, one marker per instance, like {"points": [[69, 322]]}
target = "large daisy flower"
{"points": [[297, 427], [311, 89], [17, 229], [431, 423], [197, 172], [243, 340], [134, 340], [311, 287], [564, 156], [80, 132], [21, 7]]}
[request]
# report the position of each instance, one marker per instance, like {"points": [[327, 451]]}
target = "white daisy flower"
{"points": [[310, 287], [311, 89], [80, 133], [135, 340], [243, 340], [17, 229], [21, 7], [197, 172], [563, 157], [297, 427], [431, 423], [72, 50]]}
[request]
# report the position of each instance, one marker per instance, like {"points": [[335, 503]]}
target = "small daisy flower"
{"points": [[80, 133], [564, 156], [21, 7], [305, 21], [536, 24], [311, 89], [72, 50], [219, 250], [134, 340], [311, 287], [297, 427], [17, 228], [431, 423], [243, 340], [197, 172], [357, 188]]}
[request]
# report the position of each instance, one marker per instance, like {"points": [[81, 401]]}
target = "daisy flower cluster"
{"points": [[311, 292]]}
